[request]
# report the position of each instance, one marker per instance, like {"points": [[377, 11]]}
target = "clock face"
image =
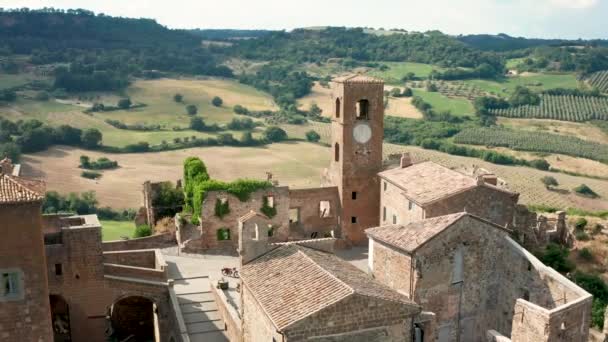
{"points": [[362, 133]]}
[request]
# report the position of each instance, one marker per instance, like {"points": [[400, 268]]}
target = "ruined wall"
{"points": [[397, 205], [210, 223], [154, 241], [25, 317], [356, 318], [392, 268], [256, 325], [484, 201], [228, 314], [311, 219]]}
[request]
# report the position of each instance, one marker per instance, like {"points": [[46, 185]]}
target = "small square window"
{"points": [[394, 219], [354, 195], [410, 205], [353, 219], [383, 213], [58, 269], [385, 186], [10, 284]]}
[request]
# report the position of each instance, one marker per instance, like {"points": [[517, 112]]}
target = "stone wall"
{"points": [[257, 327], [392, 268], [484, 201], [149, 242], [356, 318], [395, 208], [138, 258], [313, 222], [228, 314], [26, 317]]}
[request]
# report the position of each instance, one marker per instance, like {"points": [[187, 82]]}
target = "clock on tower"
{"points": [[357, 134]]}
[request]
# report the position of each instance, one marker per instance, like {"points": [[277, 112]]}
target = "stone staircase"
{"points": [[199, 310]]}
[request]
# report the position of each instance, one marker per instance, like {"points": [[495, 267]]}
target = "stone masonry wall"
{"points": [[257, 327], [27, 318], [392, 268], [137, 258], [154, 241], [308, 201], [356, 316], [397, 205]]}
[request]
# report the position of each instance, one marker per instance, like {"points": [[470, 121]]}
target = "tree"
{"points": [[523, 96], [66, 134], [217, 101], [407, 92], [91, 138], [197, 124], [315, 110], [395, 92], [85, 162], [312, 136], [549, 181], [178, 97], [585, 190], [124, 103], [142, 231], [191, 109], [431, 87], [247, 139], [274, 134], [10, 150]]}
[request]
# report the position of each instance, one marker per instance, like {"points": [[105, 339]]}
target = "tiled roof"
{"points": [[20, 190], [427, 182], [293, 282], [357, 78], [411, 236]]}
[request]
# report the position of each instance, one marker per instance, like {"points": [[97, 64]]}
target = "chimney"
{"points": [[490, 178], [406, 160]]}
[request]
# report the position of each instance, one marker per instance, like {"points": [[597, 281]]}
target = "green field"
{"points": [[16, 80], [115, 230], [535, 82], [397, 70], [458, 106], [512, 63]]}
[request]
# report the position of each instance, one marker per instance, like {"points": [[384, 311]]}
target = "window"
{"points": [[383, 213], [58, 269], [353, 219], [410, 205], [255, 234], [385, 186], [223, 234], [270, 230], [354, 195], [394, 219], [10, 284], [270, 201], [526, 295], [324, 209], [337, 152], [363, 110], [314, 235], [337, 108], [294, 215]]}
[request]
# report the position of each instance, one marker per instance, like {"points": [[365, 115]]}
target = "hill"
{"points": [[504, 42]]}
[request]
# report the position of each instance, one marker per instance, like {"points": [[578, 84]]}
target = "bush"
{"points": [[540, 164], [221, 208], [580, 223], [585, 191], [124, 103], [275, 134], [312, 136], [191, 109], [142, 231], [91, 138], [395, 92], [431, 87], [217, 101], [407, 92], [556, 256], [267, 210], [598, 288], [585, 254], [581, 235], [197, 124], [178, 97], [102, 163], [549, 181], [90, 174]]}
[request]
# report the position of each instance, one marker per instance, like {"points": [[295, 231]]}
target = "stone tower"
{"points": [[357, 134]]}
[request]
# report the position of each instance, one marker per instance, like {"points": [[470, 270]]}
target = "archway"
{"points": [[132, 318], [60, 316]]}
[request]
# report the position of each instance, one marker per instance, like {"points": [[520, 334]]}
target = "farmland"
{"points": [[397, 70], [536, 82], [599, 80], [563, 107], [533, 141], [458, 106]]}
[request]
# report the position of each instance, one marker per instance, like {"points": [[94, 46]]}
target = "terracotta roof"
{"points": [[427, 182], [411, 236], [293, 282], [20, 190], [357, 78]]}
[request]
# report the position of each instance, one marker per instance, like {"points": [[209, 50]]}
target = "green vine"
{"points": [[221, 208], [267, 210]]}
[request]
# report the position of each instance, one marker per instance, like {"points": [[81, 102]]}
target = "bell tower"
{"points": [[357, 134]]}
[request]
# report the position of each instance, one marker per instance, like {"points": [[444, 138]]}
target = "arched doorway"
{"points": [[132, 319], [60, 316]]}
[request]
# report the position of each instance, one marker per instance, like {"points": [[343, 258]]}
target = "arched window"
{"points": [[337, 152], [363, 110], [337, 107]]}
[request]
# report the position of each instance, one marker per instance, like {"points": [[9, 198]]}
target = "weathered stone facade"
{"points": [[473, 277]]}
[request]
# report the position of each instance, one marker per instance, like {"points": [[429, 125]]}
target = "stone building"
{"points": [[24, 293], [300, 291], [412, 192], [478, 281]]}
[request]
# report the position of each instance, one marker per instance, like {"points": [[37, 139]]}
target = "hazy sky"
{"points": [[530, 18]]}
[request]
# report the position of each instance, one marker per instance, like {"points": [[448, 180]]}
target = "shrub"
{"points": [[142, 231], [217, 101], [549, 181], [124, 103], [407, 92], [312, 136], [598, 288], [197, 124], [584, 190], [581, 235], [191, 109], [540, 164], [221, 208], [431, 87], [585, 254], [395, 92], [556, 256], [90, 174], [178, 97], [274, 134], [266, 209], [580, 223]]}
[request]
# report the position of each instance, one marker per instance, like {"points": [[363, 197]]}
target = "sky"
{"points": [[568, 19]]}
